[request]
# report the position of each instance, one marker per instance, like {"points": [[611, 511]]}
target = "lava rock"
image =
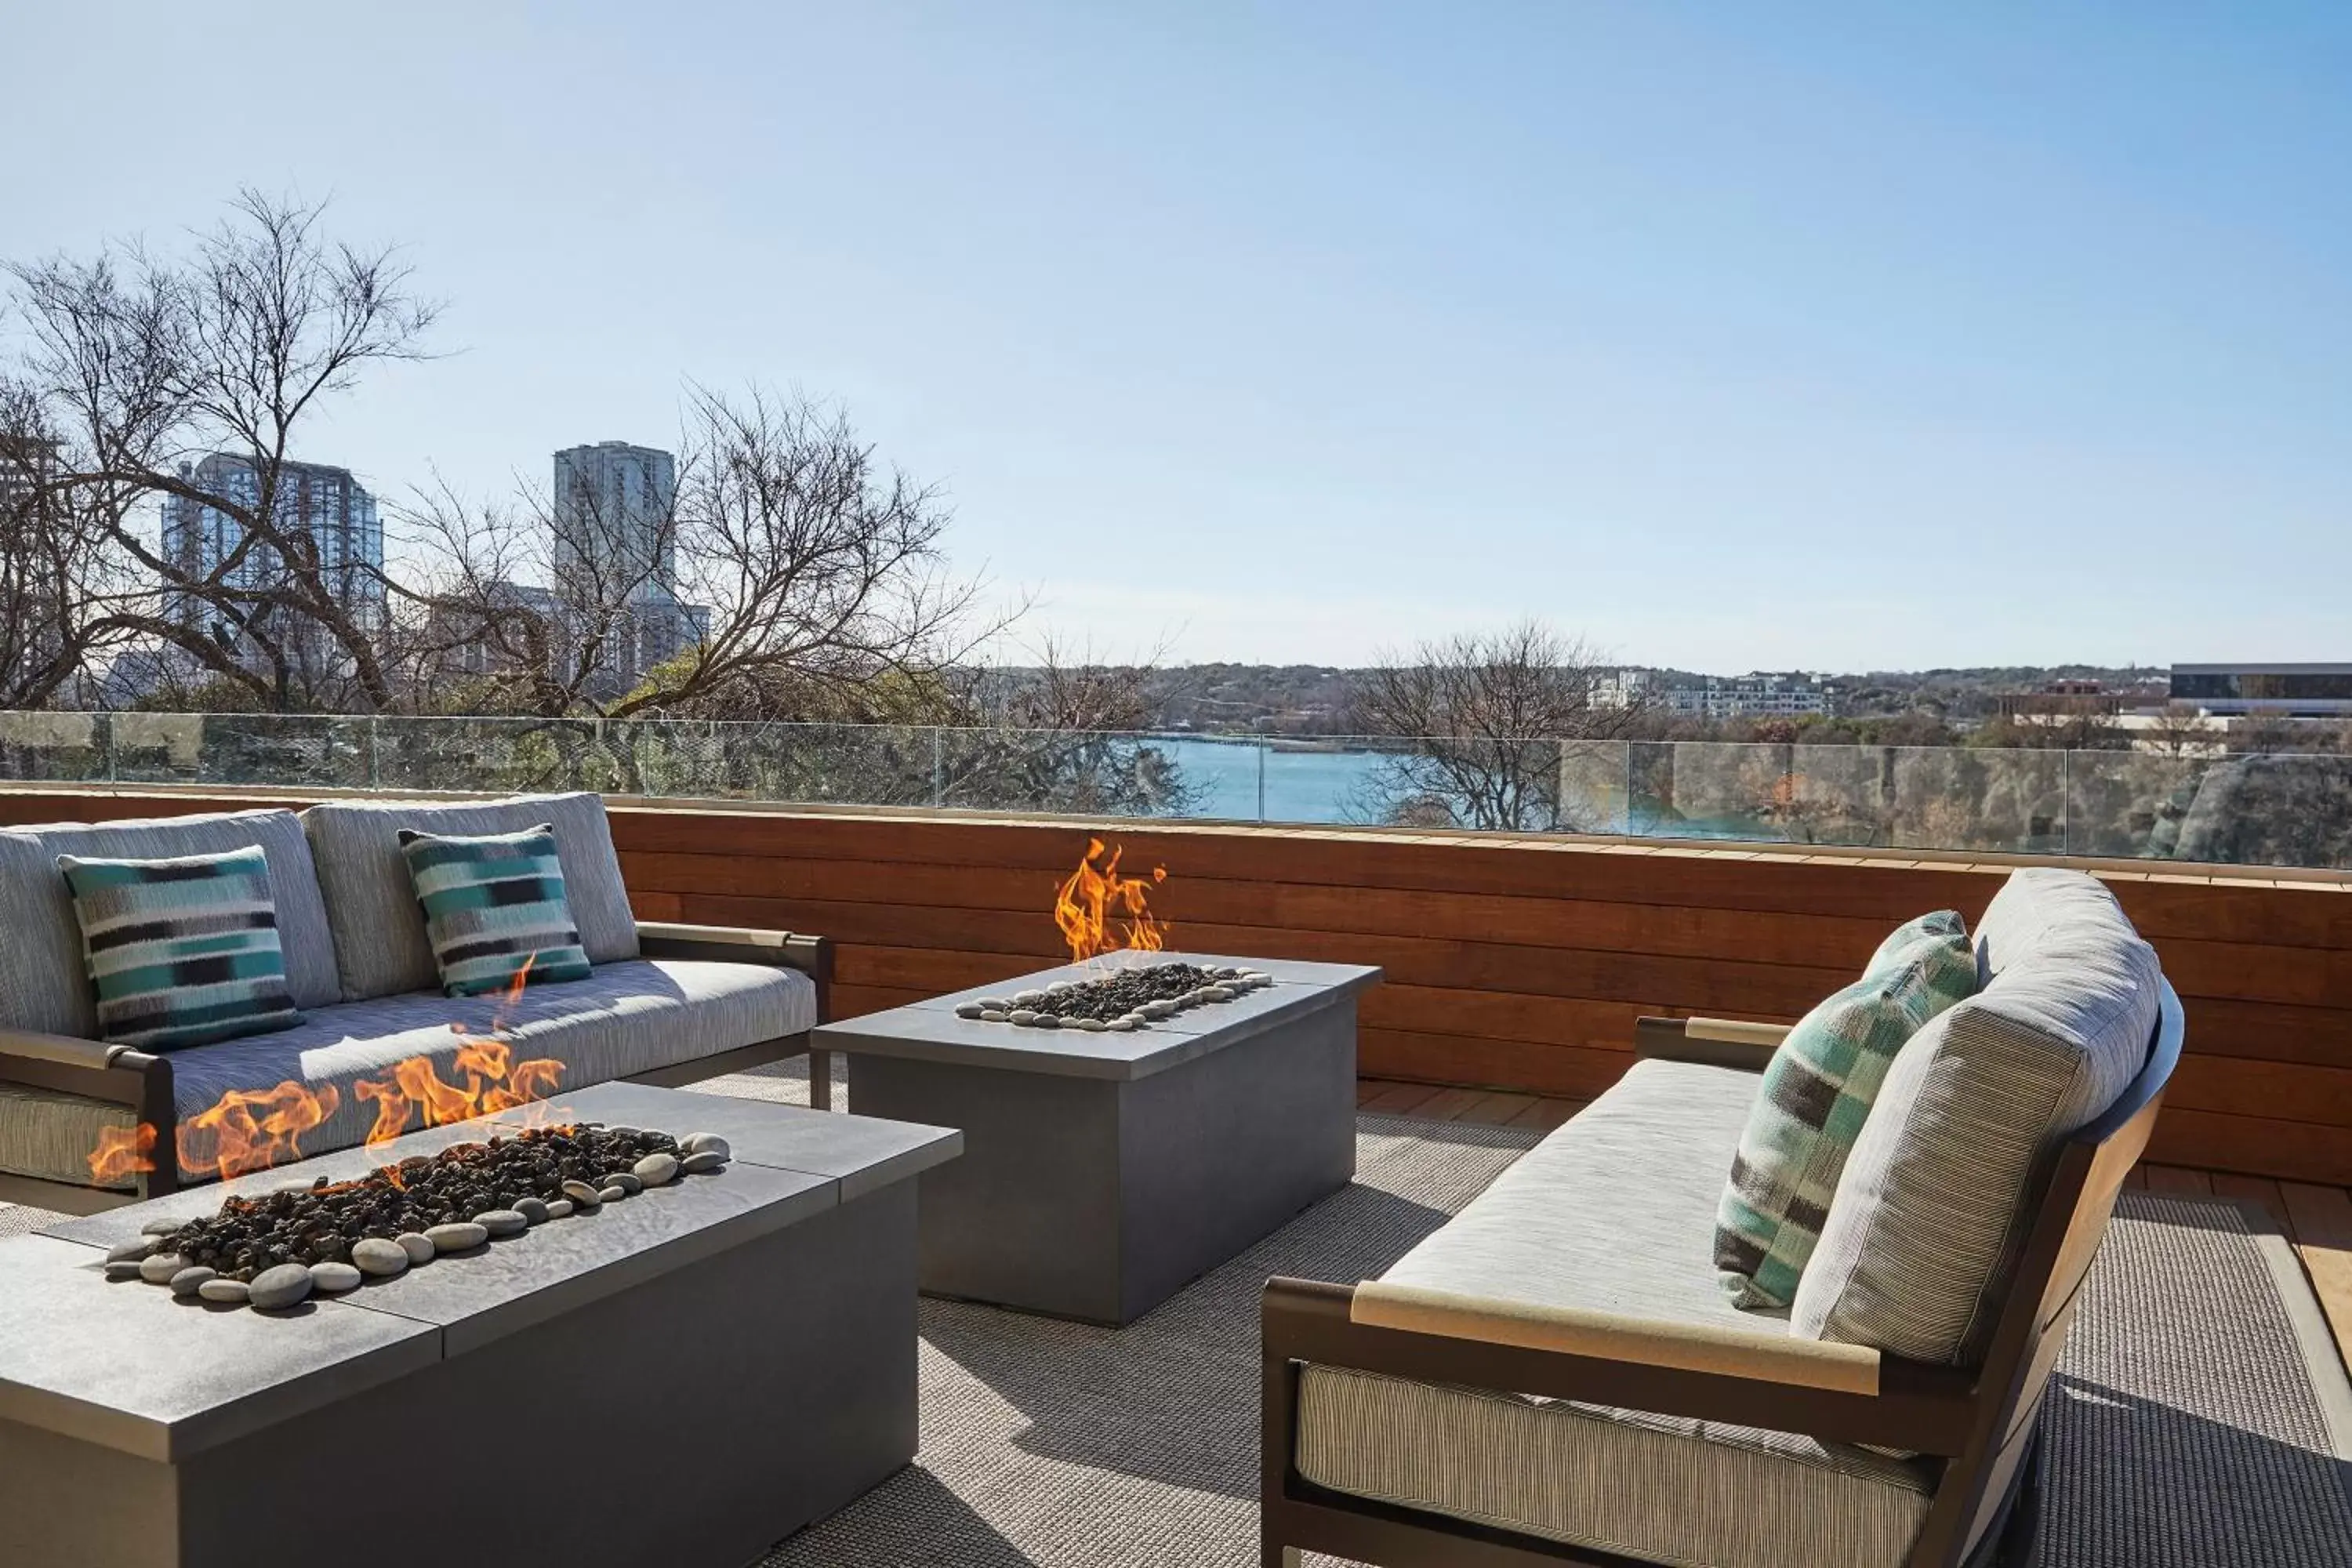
{"points": [[157, 1267], [533, 1210], [132, 1251], [696, 1164], [656, 1170], [418, 1246], [331, 1279], [456, 1235], [274, 1289], [227, 1292], [614, 1195], [119, 1272], [503, 1222], [582, 1194], [374, 1255], [189, 1280], [559, 1208]]}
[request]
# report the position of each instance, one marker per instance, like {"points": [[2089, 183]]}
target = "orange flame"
{"points": [[1100, 910], [122, 1152], [252, 1130]]}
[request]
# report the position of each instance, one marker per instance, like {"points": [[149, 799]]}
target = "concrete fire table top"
{"points": [[129, 1366], [930, 1030]]}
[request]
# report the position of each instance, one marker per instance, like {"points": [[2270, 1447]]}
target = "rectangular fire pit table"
{"points": [[1101, 1173], [683, 1377]]}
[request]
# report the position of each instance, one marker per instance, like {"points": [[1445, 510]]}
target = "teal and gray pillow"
{"points": [[494, 909], [1817, 1092], [182, 952]]}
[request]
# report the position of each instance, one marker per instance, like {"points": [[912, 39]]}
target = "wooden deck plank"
{"points": [[2179, 1179], [1400, 1099], [2256, 1189], [2323, 1228], [1496, 1109], [1450, 1104]]}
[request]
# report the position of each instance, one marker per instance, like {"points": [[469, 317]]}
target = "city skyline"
{"points": [[1832, 342]]}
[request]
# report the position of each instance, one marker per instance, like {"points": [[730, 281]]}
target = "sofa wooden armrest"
{"points": [[1842, 1392], [1710, 1042], [119, 1075]]}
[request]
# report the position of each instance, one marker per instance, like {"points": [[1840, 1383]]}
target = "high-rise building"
{"points": [[616, 553], [614, 505], [313, 500]]}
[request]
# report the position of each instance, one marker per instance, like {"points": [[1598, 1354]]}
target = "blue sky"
{"points": [[1729, 336]]}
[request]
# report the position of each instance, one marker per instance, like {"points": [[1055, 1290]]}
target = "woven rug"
{"points": [[2200, 1419]]}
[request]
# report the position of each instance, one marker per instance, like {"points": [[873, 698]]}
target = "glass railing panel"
{"points": [[2254, 810], [1960, 798], [2286, 810], [57, 748], [1500, 785]]}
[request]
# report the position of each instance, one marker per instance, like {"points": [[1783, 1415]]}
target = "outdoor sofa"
{"points": [[1556, 1375], [662, 1003]]}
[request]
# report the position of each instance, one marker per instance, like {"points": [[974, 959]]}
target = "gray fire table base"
{"points": [[686, 1378], [1095, 1194], [697, 1418]]}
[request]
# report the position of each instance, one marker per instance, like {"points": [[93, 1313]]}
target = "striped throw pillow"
{"points": [[494, 909], [182, 951], [1816, 1094]]}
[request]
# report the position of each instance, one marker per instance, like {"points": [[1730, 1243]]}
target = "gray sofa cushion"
{"points": [[371, 903], [1660, 1489], [44, 982], [1931, 1209], [625, 1018], [1615, 1213], [48, 1133]]}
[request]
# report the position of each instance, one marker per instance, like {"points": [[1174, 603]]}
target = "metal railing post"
{"points": [[938, 767], [1262, 750]]}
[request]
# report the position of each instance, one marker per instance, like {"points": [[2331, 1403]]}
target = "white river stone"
{"points": [[283, 1286], [374, 1255]]}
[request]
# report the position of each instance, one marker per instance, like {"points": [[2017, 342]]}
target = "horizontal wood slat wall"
{"points": [[1512, 964]]}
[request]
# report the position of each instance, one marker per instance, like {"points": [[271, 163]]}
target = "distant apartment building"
{"points": [[26, 464], [2286, 691], [1757, 696], [314, 500], [615, 555]]}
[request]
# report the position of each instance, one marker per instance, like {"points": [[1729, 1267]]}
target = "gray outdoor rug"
{"points": [[2200, 1419]]}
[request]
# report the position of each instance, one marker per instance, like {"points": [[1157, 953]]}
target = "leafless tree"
{"points": [[57, 591], [1478, 724], [145, 365], [791, 575]]}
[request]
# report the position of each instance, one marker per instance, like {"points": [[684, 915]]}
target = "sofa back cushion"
{"points": [[379, 945], [1815, 1098], [494, 909], [44, 979], [183, 951], [1934, 1204]]}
